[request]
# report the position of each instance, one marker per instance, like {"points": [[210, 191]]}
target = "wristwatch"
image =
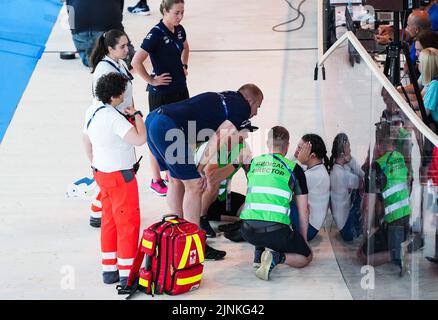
{"points": [[138, 112], [185, 66]]}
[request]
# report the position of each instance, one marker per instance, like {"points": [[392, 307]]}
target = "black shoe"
{"points": [[205, 225], [213, 254], [234, 235], [110, 277], [230, 226], [123, 282], [95, 222], [432, 259]]}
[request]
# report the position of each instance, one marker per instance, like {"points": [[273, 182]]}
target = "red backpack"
{"points": [[174, 252]]}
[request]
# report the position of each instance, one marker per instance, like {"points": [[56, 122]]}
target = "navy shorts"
{"points": [[174, 155]]}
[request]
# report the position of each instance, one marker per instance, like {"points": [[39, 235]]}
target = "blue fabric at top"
{"points": [[25, 26], [433, 15]]}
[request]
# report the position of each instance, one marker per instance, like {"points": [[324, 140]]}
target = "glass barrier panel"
{"points": [[383, 206]]}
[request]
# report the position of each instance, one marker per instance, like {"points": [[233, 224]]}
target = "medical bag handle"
{"points": [[167, 217]]}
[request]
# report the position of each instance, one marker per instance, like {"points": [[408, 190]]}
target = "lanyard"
{"points": [[100, 108], [224, 105], [128, 76], [170, 38], [287, 167], [89, 121]]}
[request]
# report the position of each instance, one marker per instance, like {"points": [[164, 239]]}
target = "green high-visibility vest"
{"points": [[224, 161], [396, 192], [269, 195], [403, 135]]}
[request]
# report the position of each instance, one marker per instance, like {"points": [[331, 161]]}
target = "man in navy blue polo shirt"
{"points": [[173, 128]]}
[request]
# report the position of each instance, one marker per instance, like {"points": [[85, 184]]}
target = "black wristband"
{"points": [[138, 112]]}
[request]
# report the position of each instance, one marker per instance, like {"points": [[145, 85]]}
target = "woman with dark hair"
{"points": [[107, 56], [109, 140], [426, 39], [311, 153], [168, 50], [345, 179]]}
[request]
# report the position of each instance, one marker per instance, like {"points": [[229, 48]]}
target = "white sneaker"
{"points": [[265, 269]]}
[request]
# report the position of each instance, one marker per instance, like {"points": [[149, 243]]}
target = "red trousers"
{"points": [[96, 206], [433, 168], [120, 220]]}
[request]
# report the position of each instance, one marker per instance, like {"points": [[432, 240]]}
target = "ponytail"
{"points": [[99, 51], [326, 163], [107, 39]]}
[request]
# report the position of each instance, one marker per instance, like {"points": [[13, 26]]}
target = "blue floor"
{"points": [[25, 26]]}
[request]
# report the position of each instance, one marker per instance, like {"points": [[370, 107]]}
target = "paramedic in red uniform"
{"points": [[109, 140]]}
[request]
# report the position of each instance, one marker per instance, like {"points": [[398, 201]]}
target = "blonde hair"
{"points": [[429, 64], [168, 4]]}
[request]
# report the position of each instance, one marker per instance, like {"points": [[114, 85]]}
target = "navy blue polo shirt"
{"points": [[165, 49], [208, 111]]}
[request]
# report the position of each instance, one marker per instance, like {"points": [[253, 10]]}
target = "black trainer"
{"points": [[140, 8], [205, 225], [95, 222], [213, 254]]}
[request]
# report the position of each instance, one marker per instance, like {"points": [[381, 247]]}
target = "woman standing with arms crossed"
{"points": [[107, 56], [168, 50], [109, 140]]}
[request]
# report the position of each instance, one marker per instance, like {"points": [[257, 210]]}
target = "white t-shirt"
{"points": [[104, 68], [318, 184], [106, 131], [343, 179]]}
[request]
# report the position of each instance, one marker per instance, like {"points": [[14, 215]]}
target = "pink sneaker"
{"points": [[158, 187], [166, 179]]}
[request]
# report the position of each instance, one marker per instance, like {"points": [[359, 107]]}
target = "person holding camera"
{"points": [[109, 140]]}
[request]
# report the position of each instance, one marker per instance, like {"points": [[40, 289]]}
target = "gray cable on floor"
{"points": [[300, 14]]}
